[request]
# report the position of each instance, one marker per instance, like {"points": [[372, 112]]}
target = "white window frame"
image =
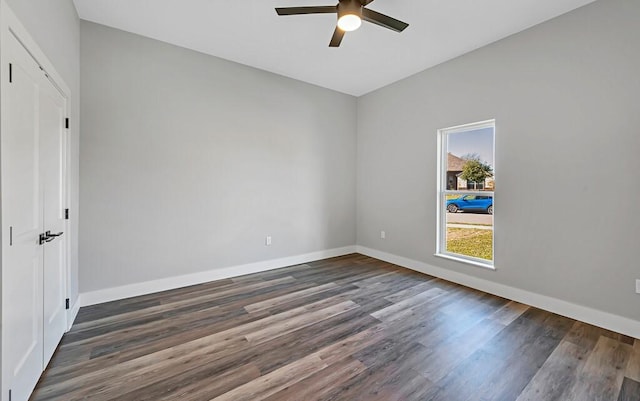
{"points": [[442, 191]]}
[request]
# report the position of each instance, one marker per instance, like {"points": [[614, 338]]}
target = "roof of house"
{"points": [[454, 163]]}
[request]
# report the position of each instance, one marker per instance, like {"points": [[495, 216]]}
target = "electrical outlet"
{"points": [[267, 240], [638, 286], [383, 235]]}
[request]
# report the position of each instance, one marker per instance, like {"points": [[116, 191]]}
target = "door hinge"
{"points": [[66, 214], [66, 304], [10, 235], [10, 72], [66, 123]]}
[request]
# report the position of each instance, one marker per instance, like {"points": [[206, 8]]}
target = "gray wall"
{"points": [[188, 161], [55, 26], [565, 98]]}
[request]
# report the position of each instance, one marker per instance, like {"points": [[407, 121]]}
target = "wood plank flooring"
{"points": [[349, 328]]}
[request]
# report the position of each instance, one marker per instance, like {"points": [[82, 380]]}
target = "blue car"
{"points": [[471, 203]]}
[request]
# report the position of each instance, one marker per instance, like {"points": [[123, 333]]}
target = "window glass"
{"points": [[466, 185]]}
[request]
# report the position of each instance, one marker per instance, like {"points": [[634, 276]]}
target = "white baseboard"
{"points": [[73, 313], [169, 283], [592, 316]]}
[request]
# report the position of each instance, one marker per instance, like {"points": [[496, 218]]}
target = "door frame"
{"points": [[10, 25]]}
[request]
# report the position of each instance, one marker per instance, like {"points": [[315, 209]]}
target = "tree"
{"points": [[475, 170]]}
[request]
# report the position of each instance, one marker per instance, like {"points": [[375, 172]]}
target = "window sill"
{"points": [[473, 262]]}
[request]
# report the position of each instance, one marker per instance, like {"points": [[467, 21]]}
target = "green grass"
{"points": [[470, 242]]}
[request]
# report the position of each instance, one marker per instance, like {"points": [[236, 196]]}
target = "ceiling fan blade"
{"points": [[383, 20], [365, 2], [338, 34], [306, 10]]}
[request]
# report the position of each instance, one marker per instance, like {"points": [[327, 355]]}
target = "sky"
{"points": [[478, 141]]}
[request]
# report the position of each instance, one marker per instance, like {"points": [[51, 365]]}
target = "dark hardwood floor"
{"points": [[349, 328]]}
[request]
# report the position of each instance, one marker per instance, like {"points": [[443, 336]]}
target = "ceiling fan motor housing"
{"points": [[346, 7]]}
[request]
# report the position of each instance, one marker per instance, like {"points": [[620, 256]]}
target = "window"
{"points": [[466, 181]]}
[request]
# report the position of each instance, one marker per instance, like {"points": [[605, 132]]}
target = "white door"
{"points": [[52, 115], [22, 215], [33, 192]]}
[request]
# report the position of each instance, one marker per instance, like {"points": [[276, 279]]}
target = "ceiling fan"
{"points": [[350, 16]]}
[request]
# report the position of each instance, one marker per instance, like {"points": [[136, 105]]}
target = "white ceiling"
{"points": [[250, 32]]}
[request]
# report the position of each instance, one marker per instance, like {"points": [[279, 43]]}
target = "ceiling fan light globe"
{"points": [[349, 22]]}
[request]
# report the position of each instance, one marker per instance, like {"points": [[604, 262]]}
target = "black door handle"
{"points": [[48, 237], [44, 238]]}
